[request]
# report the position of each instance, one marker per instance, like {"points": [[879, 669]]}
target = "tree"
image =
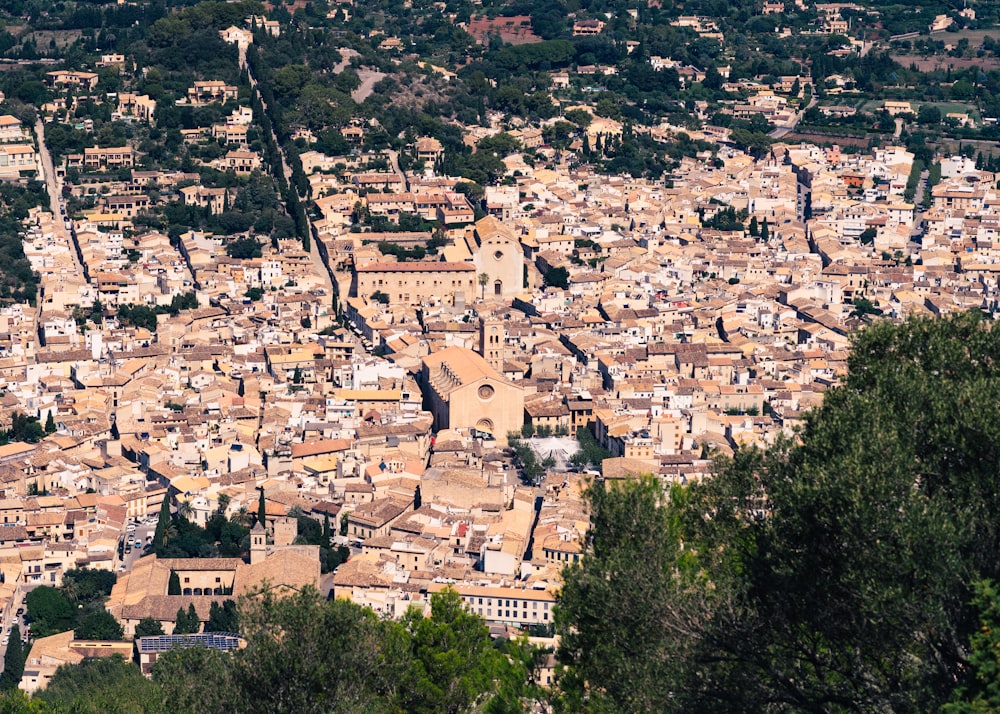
{"points": [[868, 236], [262, 508], [13, 661], [484, 280], [187, 622], [50, 611], [636, 544], [148, 627], [980, 693], [928, 115], [88, 584], [50, 423], [99, 625], [558, 277], [453, 661], [194, 679], [174, 584], [162, 526], [222, 618], [326, 527], [244, 248], [102, 684], [307, 655]]}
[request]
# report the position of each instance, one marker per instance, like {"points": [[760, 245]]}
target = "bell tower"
{"points": [[491, 342]]}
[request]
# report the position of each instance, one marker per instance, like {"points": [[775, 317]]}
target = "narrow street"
{"points": [[54, 187], [314, 253]]}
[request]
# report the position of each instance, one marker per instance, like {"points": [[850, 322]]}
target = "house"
{"points": [[586, 28], [86, 81], [10, 129], [895, 108], [15, 158], [115, 157], [239, 162], [429, 149], [211, 91]]}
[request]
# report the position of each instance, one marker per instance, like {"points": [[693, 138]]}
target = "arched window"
{"points": [[498, 288]]}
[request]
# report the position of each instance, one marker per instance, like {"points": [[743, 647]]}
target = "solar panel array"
{"points": [[223, 641]]}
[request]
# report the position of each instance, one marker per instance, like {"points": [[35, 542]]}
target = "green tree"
{"points": [[244, 248], [187, 622], [262, 508], [223, 618], [103, 684], [88, 584], [162, 526], [50, 611], [305, 654], [13, 661], [174, 584], [50, 423], [454, 663], [558, 277], [980, 693], [99, 625], [635, 544], [148, 627], [196, 679]]}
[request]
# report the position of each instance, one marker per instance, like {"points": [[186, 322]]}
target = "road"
{"points": [[369, 78], [782, 130], [320, 266], [54, 187]]}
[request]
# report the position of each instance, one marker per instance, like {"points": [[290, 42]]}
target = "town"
{"points": [[251, 349]]}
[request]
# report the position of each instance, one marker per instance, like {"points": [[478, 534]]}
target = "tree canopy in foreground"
{"points": [[836, 572]]}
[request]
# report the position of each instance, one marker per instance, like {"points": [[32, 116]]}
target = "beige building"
{"points": [[15, 158], [418, 281], [212, 91], [462, 390], [498, 253], [78, 80]]}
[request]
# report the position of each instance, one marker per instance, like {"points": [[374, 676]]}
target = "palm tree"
{"points": [[242, 517], [223, 501], [184, 510], [484, 279]]}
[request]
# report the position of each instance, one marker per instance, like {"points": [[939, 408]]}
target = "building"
{"points": [[585, 28], [116, 157], [239, 162], [462, 390], [517, 606], [140, 106], [15, 158], [10, 129], [429, 149], [499, 255], [895, 108], [150, 648], [417, 281], [212, 91], [76, 80]]}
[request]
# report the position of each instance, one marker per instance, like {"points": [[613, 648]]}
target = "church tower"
{"points": [[491, 342], [258, 544]]}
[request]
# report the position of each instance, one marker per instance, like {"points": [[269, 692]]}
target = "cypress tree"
{"points": [[50, 423], [160, 534], [174, 584], [262, 509], [326, 528], [13, 662]]}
